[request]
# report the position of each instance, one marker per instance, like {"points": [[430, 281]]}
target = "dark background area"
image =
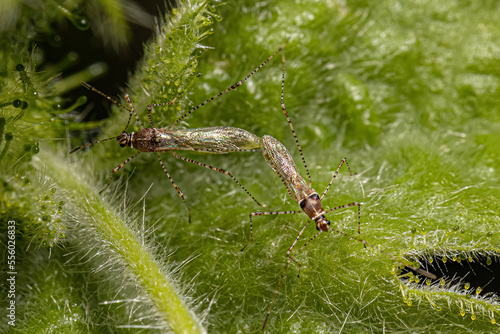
{"points": [[91, 49]]}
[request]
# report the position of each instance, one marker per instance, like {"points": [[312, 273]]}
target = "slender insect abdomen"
{"points": [[280, 160], [214, 140]]}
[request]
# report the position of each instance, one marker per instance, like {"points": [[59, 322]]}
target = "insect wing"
{"points": [[218, 140], [280, 160]]}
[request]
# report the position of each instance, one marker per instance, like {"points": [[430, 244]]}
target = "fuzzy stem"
{"points": [[126, 243]]}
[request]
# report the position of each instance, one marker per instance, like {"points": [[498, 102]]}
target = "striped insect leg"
{"points": [[265, 214], [335, 175], [276, 291], [150, 107], [220, 170], [230, 88], [116, 169], [347, 206], [179, 191]]}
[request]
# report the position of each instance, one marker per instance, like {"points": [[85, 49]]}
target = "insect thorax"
{"points": [[145, 140], [313, 207]]}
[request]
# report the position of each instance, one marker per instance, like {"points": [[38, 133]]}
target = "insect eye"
{"points": [[122, 145], [314, 196], [302, 204]]}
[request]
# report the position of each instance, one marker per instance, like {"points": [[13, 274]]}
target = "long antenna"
{"points": [[93, 143], [109, 98]]}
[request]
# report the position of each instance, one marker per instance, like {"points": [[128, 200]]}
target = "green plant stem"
{"points": [[125, 244]]}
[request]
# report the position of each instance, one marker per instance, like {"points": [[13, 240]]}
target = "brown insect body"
{"points": [[280, 160]]}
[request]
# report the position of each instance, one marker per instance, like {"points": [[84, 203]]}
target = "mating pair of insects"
{"points": [[223, 140]]}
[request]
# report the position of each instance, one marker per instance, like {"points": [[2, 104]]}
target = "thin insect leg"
{"points": [[132, 110], [359, 239], [297, 238], [150, 107], [179, 191], [117, 168], [93, 143], [335, 175], [288, 118], [230, 88], [265, 214], [290, 259], [346, 206], [220, 170], [293, 245], [109, 98]]}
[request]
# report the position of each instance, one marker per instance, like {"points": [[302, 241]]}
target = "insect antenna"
{"points": [[230, 88], [109, 98], [406, 263], [92, 143], [288, 118]]}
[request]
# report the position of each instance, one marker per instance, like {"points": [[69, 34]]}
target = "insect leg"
{"points": [[93, 143], [288, 118], [335, 175], [150, 107], [293, 245], [220, 170], [265, 214], [132, 110], [230, 88], [109, 98], [116, 169], [179, 191], [290, 259], [346, 206]]}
